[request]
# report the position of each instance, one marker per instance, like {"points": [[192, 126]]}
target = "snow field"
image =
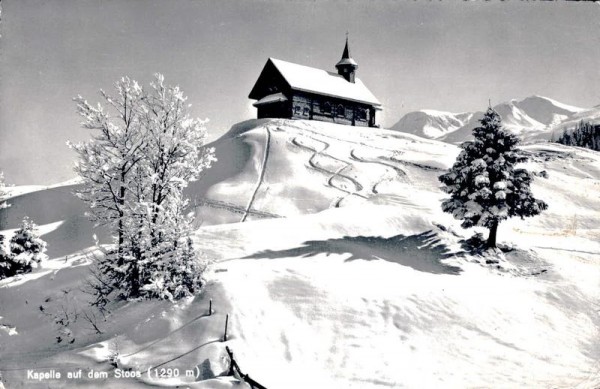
{"points": [[355, 287]]}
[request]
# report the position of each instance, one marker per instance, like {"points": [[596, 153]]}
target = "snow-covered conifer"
{"points": [[27, 248], [6, 259], [485, 186]]}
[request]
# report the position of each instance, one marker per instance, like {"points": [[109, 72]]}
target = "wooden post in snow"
{"points": [[232, 361], [226, 322], [210, 308]]}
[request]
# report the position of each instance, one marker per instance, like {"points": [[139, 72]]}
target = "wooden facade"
{"points": [[309, 106], [286, 90], [330, 109]]}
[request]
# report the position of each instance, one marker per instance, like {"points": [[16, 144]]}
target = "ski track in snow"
{"points": [[385, 177], [414, 164], [382, 160], [313, 163], [234, 208], [261, 176], [307, 129], [410, 314]]}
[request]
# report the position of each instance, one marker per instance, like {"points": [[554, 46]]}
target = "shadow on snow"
{"points": [[422, 252]]}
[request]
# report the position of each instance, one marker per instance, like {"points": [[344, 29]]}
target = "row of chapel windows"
{"points": [[298, 109], [340, 111]]}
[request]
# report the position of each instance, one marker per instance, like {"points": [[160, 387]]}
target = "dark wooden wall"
{"points": [[330, 109], [322, 108]]}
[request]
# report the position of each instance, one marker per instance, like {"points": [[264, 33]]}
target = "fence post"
{"points": [[226, 322], [210, 308], [231, 361]]}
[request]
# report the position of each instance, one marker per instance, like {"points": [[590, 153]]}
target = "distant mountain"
{"points": [[534, 117], [432, 124]]}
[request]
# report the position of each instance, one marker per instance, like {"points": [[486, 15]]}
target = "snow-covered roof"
{"points": [[347, 61], [274, 98], [307, 79]]}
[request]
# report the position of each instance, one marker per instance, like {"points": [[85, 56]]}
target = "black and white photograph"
{"points": [[299, 194]]}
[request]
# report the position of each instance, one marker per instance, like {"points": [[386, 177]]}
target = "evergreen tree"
{"points": [[585, 134], [27, 249], [484, 185], [6, 260]]}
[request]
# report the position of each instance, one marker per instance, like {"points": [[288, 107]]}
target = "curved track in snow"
{"points": [[261, 176], [334, 174], [385, 176], [307, 129]]}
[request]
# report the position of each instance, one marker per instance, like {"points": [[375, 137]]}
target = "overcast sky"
{"points": [[446, 55]]}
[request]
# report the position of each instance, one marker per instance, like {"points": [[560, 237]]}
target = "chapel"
{"points": [[293, 91]]}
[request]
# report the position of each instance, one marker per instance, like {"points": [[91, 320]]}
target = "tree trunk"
{"points": [[135, 280], [121, 203], [491, 242], [135, 268]]}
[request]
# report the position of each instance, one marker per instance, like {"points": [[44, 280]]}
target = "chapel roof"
{"points": [[313, 80]]}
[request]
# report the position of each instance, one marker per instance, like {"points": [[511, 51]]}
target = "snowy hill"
{"points": [[532, 118], [282, 168], [338, 269]]}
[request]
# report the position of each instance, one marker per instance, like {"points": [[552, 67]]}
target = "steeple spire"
{"points": [[346, 54], [347, 66]]}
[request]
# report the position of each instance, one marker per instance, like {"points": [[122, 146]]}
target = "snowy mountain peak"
{"points": [[529, 117], [430, 123]]}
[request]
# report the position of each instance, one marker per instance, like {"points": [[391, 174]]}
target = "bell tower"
{"points": [[347, 66]]}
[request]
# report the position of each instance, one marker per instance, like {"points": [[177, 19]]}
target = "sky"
{"points": [[447, 55]]}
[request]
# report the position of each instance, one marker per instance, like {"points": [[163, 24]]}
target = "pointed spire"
{"points": [[346, 54], [347, 66]]}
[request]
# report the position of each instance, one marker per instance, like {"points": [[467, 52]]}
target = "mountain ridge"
{"points": [[534, 118]]}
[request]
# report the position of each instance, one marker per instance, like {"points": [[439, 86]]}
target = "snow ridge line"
{"points": [[261, 176]]}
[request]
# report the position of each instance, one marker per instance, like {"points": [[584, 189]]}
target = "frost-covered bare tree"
{"points": [[173, 157], [106, 162], [3, 204], [135, 169], [485, 186]]}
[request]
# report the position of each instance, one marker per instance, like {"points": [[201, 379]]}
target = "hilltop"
{"points": [[338, 269]]}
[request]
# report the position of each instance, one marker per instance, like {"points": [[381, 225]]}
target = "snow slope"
{"points": [[338, 270], [532, 118]]}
